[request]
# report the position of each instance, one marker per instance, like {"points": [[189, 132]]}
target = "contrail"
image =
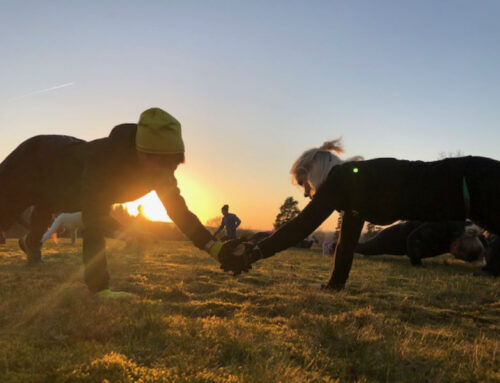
{"points": [[42, 91]]}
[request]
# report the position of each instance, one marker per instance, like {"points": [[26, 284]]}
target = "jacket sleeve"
{"points": [[417, 240], [352, 224], [295, 230], [177, 210]]}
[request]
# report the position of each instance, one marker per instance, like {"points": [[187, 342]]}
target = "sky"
{"points": [[255, 83]]}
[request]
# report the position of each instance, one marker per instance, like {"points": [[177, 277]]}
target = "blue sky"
{"points": [[256, 83]]}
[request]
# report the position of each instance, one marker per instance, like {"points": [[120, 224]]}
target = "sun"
{"points": [[153, 208]]}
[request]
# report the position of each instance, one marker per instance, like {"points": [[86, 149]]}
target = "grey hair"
{"points": [[472, 231], [318, 162]]}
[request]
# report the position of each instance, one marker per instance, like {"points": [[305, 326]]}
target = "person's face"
{"points": [[224, 212], [303, 182], [156, 164]]}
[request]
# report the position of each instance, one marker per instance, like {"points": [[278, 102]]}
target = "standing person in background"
{"points": [[230, 222]]}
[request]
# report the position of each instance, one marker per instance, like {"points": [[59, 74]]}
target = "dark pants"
{"points": [[94, 257], [20, 180]]}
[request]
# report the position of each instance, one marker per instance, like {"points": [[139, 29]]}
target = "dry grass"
{"points": [[192, 323]]}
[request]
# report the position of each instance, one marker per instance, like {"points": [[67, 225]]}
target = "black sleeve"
{"points": [[416, 244], [177, 210], [352, 224], [305, 223]]}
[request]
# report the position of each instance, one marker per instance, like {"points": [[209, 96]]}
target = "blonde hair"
{"points": [[316, 163]]}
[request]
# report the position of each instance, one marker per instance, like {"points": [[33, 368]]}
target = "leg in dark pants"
{"points": [[40, 222], [94, 257], [31, 244], [9, 212], [391, 240]]}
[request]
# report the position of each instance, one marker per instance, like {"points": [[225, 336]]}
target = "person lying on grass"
{"points": [[382, 191], [65, 174], [420, 240]]}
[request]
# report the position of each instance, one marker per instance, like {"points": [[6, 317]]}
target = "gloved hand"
{"points": [[242, 258], [221, 250]]}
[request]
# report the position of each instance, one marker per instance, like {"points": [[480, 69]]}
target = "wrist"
{"points": [[257, 253], [215, 249], [209, 244]]}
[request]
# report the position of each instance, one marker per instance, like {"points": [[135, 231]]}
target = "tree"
{"points": [[288, 211], [443, 155]]}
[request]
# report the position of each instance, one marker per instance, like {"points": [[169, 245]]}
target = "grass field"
{"points": [[192, 323]]}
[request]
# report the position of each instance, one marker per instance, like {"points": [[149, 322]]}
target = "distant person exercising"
{"points": [[230, 222], [66, 174], [419, 240], [382, 191]]}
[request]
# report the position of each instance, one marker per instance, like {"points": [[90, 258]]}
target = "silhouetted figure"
{"points": [[230, 222], [419, 240], [65, 174], [382, 191], [65, 222], [140, 212]]}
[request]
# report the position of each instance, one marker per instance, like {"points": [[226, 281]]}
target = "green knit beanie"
{"points": [[158, 133]]}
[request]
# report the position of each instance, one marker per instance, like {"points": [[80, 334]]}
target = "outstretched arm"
{"points": [[222, 225], [53, 229], [417, 243], [352, 224], [178, 211], [190, 225], [295, 230]]}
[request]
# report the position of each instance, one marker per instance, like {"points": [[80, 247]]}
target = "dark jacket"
{"points": [[380, 191], [66, 174]]}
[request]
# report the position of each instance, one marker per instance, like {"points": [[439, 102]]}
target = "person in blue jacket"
{"points": [[230, 222]]}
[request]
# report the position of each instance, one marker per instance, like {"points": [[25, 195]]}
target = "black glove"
{"points": [[241, 258], [221, 251]]}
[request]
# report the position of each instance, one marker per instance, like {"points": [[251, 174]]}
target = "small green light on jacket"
{"points": [[355, 170]]}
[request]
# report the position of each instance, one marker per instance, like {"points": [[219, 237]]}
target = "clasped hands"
{"points": [[236, 256]]}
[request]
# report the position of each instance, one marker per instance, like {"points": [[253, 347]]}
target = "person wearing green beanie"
{"points": [[65, 174]]}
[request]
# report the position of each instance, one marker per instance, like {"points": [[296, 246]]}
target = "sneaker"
{"points": [[108, 294], [34, 257]]}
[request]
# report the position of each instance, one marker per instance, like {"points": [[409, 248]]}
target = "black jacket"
{"points": [[66, 174], [380, 191]]}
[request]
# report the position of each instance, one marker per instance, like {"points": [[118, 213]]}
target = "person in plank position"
{"points": [[56, 173]]}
